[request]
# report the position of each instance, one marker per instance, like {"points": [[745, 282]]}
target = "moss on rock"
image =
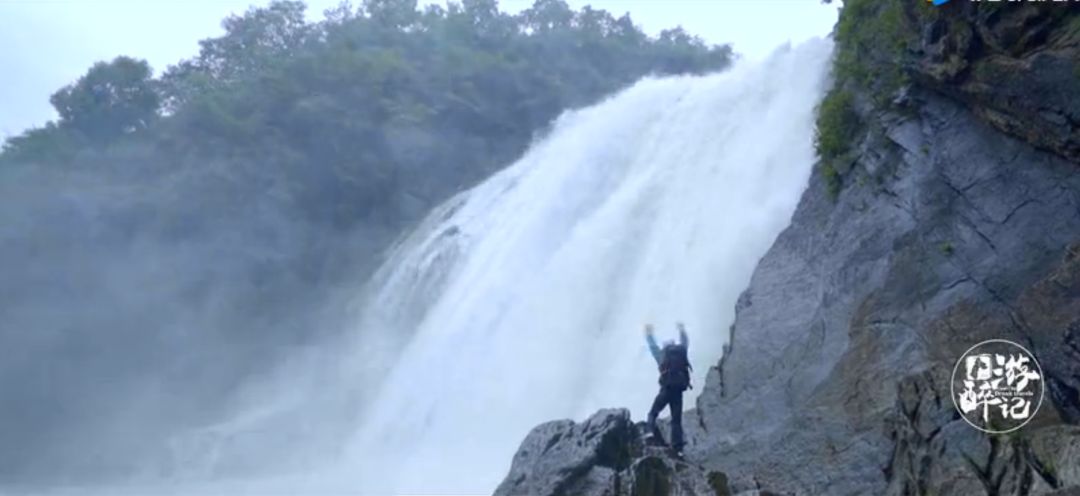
{"points": [[652, 477], [718, 481]]}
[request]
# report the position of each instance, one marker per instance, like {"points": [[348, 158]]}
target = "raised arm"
{"points": [[651, 340], [683, 340]]}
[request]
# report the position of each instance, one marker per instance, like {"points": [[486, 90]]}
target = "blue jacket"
{"points": [[655, 350]]}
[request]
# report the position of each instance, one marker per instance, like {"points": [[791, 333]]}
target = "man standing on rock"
{"points": [[674, 379]]}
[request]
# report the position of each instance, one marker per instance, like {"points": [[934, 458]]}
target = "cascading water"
{"points": [[653, 206], [523, 300]]}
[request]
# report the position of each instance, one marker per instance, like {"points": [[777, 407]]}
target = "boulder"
{"points": [[603, 456]]}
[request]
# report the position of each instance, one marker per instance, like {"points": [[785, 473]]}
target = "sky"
{"points": [[46, 44]]}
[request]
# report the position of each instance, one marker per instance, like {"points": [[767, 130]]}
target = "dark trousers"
{"points": [[668, 397]]}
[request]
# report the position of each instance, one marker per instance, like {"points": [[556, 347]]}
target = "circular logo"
{"points": [[997, 386]]}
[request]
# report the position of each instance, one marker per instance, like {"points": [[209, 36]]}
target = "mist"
{"points": [[134, 306]]}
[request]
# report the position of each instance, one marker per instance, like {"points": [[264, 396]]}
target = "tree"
{"points": [[595, 22], [252, 44], [548, 15], [112, 99], [254, 40], [487, 20], [627, 32], [392, 13]]}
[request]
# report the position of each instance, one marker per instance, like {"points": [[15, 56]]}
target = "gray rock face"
{"points": [[946, 233], [1014, 67]]}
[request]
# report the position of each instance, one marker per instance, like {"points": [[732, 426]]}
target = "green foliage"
{"points": [[51, 144], [254, 42], [837, 124], [872, 36], [372, 103], [1049, 468], [112, 99], [833, 181], [871, 40], [1073, 26], [651, 478], [718, 481], [946, 248]]}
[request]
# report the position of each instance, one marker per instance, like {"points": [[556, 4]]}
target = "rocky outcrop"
{"points": [[936, 454], [562, 456], [603, 456], [1017, 67], [1050, 314]]}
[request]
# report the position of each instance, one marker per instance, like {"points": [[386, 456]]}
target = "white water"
{"points": [[523, 300], [653, 206]]}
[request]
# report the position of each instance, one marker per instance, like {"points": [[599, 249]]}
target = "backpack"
{"points": [[675, 368]]}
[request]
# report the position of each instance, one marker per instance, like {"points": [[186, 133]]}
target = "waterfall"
{"points": [[522, 300]]}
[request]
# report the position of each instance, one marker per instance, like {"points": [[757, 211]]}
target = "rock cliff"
{"points": [[954, 218]]}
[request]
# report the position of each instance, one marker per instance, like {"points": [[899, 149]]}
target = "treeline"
{"points": [[168, 236], [365, 111]]}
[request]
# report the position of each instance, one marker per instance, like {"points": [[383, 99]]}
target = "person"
{"points": [[674, 379]]}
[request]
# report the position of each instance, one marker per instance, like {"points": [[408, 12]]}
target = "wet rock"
{"points": [[603, 456], [1015, 68], [945, 234], [563, 457], [1050, 314]]}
